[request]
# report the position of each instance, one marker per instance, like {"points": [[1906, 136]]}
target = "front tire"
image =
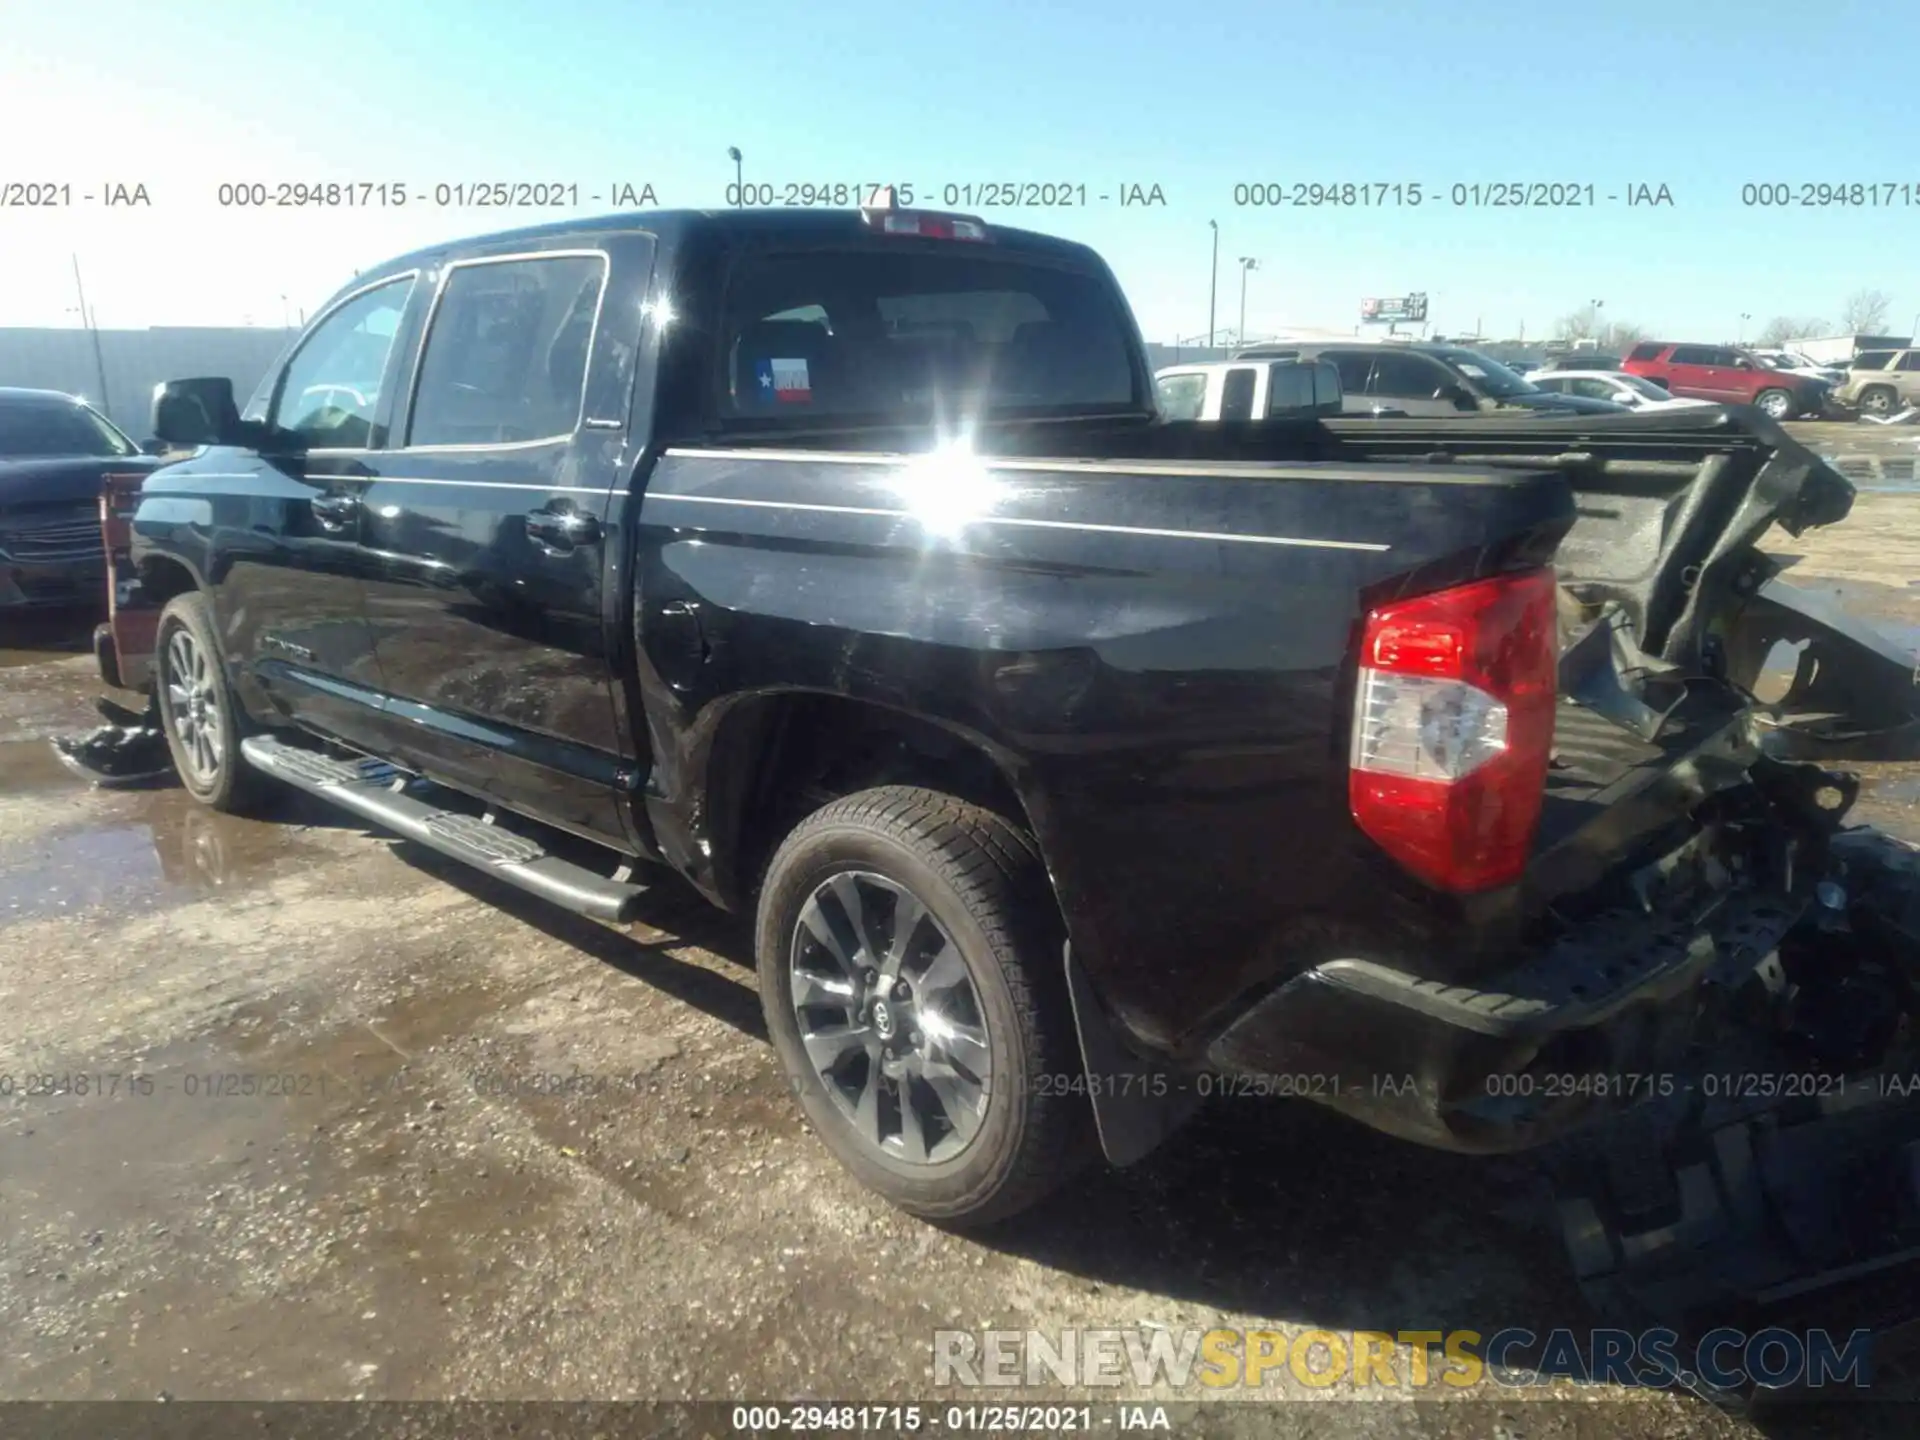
{"points": [[1776, 404], [203, 720], [911, 979]]}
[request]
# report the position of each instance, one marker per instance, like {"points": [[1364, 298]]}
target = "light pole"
{"points": [[1213, 289], [1247, 264], [93, 331], [733, 154]]}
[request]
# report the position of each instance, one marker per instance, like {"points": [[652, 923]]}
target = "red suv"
{"points": [[1732, 377]]}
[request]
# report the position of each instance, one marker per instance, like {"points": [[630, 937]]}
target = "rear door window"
{"points": [[896, 336], [506, 351], [1909, 361], [1236, 394], [1290, 388]]}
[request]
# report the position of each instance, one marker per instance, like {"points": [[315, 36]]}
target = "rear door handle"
{"points": [[558, 531], [335, 512]]}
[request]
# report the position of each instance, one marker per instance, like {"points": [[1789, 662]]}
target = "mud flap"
{"points": [[1788, 1198], [1136, 1104]]}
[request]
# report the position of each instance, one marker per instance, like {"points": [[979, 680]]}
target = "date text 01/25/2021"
{"points": [[1059, 194], [1460, 195]]}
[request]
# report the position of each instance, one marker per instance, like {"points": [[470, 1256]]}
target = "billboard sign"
{"points": [[1411, 309]]}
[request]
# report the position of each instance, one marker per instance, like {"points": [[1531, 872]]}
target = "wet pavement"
{"points": [[358, 1122]]}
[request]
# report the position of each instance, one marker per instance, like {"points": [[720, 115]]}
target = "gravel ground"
{"points": [[414, 1213]]}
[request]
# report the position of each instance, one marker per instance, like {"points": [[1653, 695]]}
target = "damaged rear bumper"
{"points": [[1628, 1008]]}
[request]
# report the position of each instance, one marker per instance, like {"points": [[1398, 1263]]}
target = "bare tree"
{"points": [[1865, 312], [1622, 336], [1783, 329], [1581, 324]]}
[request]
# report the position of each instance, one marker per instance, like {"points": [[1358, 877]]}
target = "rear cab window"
{"points": [[905, 332]]}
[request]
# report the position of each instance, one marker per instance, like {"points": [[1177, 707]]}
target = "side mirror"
{"points": [[155, 446], [196, 412], [1461, 397]]}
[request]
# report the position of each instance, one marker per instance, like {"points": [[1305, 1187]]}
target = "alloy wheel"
{"points": [[193, 705], [890, 1018]]}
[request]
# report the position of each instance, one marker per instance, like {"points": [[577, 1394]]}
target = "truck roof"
{"points": [[669, 225]]}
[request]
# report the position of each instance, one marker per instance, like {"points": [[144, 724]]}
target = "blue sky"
{"points": [[1701, 97]]}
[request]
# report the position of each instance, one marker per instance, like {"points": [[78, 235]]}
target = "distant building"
{"points": [[134, 361]]}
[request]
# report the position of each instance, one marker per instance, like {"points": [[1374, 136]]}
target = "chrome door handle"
{"points": [[335, 512], [558, 531]]}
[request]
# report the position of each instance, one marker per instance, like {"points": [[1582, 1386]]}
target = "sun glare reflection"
{"points": [[947, 489]]}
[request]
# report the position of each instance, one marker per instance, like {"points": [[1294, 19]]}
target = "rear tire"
{"points": [[203, 720], [936, 1064], [1877, 400], [1776, 404]]}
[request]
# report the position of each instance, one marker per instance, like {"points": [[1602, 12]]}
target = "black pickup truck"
{"points": [[1075, 763]]}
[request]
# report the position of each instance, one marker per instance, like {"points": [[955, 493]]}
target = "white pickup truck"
{"points": [[1248, 389]]}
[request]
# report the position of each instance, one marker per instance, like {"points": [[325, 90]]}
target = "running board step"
{"points": [[373, 790]]}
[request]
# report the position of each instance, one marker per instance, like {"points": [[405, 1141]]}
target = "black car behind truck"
{"points": [[57, 455], [839, 564]]}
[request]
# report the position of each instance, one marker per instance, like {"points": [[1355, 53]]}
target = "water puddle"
{"points": [[1880, 474], [175, 852]]}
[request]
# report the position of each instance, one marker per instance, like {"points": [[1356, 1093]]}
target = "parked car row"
{"points": [[1784, 383], [1374, 378], [1730, 376]]}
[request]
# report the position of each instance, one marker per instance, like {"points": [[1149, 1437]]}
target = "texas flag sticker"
{"points": [[784, 380]]}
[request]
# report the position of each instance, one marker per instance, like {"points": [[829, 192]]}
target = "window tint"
{"points": [[1181, 397], [1406, 377], [891, 334], [1354, 367], [506, 357], [1871, 360], [1236, 394], [1289, 388], [330, 390], [1693, 355], [57, 427], [1909, 361], [1649, 351]]}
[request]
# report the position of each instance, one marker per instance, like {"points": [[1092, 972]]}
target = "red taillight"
{"points": [[926, 224], [1453, 728], [119, 498]]}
